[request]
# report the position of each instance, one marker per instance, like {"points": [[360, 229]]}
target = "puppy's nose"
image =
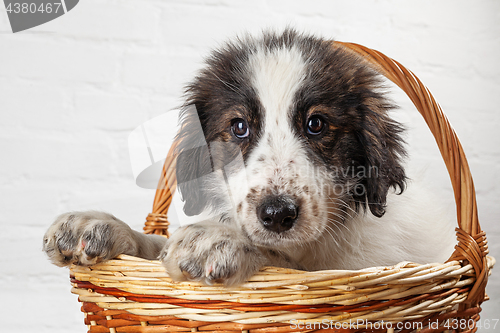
{"points": [[278, 213]]}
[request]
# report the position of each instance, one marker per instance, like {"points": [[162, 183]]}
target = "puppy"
{"points": [[287, 143]]}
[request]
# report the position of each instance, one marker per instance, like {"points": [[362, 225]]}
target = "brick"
{"points": [[95, 109], [23, 197], [57, 60], [130, 21], [484, 58], [51, 159], [33, 105], [160, 72], [198, 27], [4, 24], [57, 312]]}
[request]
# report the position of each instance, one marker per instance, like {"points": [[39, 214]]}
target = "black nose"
{"points": [[278, 213]]}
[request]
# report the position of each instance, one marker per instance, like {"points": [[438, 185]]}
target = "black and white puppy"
{"points": [[303, 168]]}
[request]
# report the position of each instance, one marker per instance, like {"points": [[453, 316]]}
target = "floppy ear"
{"points": [[193, 162], [381, 141]]}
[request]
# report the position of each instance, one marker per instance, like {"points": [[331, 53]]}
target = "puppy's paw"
{"points": [[210, 253], [86, 238]]}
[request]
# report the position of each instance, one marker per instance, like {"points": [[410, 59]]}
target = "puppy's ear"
{"points": [[193, 162], [380, 137]]}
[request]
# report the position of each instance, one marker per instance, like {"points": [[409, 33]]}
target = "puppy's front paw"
{"points": [[210, 253], [86, 238]]}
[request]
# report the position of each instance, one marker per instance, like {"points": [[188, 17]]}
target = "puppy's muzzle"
{"points": [[278, 213]]}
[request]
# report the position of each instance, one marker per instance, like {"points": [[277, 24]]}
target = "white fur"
{"points": [[279, 156], [405, 231]]}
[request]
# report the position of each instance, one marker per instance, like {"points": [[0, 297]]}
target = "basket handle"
{"points": [[157, 221], [472, 244]]}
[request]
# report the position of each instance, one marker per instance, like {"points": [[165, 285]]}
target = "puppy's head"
{"points": [[297, 133]]}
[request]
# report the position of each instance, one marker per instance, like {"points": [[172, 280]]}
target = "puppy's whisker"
{"points": [[333, 206], [337, 215], [338, 223], [343, 204], [333, 236]]}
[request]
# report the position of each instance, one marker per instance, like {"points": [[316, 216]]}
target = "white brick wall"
{"points": [[72, 90]]}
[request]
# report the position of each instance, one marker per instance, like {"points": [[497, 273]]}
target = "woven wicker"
{"points": [[130, 294]]}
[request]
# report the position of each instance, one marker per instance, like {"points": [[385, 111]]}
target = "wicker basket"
{"points": [[130, 294]]}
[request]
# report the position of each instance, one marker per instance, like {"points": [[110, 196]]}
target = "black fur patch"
{"points": [[220, 93], [361, 146]]}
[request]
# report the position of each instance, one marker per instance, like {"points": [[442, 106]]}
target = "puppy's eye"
{"points": [[315, 125], [240, 129]]}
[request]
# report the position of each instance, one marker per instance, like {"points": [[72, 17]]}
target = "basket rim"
{"points": [[407, 291]]}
